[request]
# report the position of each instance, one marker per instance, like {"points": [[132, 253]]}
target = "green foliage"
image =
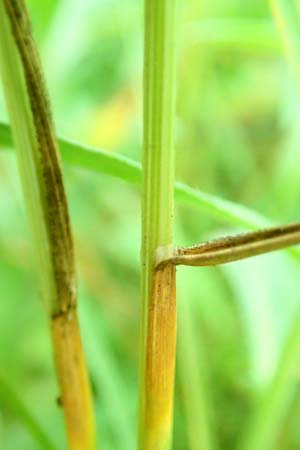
{"points": [[237, 136]]}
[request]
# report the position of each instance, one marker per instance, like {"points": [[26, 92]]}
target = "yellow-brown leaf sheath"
{"points": [[73, 380], [160, 360]]}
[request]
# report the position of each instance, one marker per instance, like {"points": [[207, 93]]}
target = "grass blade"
{"points": [[124, 168]]}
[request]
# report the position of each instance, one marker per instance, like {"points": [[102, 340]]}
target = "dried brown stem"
{"points": [[53, 193], [235, 248], [40, 167]]}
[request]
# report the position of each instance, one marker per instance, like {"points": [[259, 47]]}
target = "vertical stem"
{"points": [[47, 210], [158, 335]]}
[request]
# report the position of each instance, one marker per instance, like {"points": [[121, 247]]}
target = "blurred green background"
{"points": [[237, 136]]}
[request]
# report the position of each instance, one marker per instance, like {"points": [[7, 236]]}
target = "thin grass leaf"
{"points": [[119, 166], [124, 168]]}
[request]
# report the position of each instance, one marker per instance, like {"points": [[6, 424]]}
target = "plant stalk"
{"points": [[158, 333], [46, 204], [235, 248]]}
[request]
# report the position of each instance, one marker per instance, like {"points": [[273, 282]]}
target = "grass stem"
{"points": [[158, 335], [46, 205]]}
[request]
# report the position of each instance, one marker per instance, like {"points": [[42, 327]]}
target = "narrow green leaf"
{"points": [[124, 168]]}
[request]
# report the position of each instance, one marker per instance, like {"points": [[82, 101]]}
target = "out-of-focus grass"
{"points": [[12, 402], [237, 137]]}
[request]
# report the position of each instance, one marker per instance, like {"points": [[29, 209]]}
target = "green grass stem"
{"points": [[158, 330]]}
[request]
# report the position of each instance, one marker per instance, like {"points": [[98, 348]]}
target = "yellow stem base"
{"points": [[73, 380], [156, 428]]}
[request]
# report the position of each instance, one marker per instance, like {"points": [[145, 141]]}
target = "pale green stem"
{"points": [[156, 367]]}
